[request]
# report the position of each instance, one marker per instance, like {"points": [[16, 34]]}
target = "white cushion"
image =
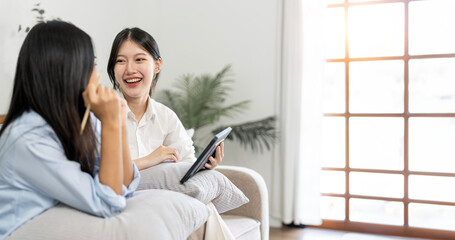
{"points": [[206, 186], [149, 215], [243, 227], [190, 132]]}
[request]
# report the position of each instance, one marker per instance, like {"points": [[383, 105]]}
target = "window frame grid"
{"points": [[405, 229]]}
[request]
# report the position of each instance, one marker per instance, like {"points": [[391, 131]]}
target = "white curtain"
{"points": [[301, 110]]}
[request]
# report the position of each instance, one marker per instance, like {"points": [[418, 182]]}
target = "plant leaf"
{"points": [[200, 98], [212, 115], [199, 101], [256, 135]]}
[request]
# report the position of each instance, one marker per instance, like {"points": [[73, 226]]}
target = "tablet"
{"points": [[208, 151]]}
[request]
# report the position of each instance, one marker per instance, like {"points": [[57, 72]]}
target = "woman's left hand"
{"points": [[219, 154]]}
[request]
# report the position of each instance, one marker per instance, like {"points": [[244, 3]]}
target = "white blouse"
{"points": [[159, 126]]}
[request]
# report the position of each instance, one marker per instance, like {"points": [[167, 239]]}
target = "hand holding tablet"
{"points": [[208, 151], [216, 157]]}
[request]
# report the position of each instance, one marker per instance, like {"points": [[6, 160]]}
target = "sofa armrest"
{"points": [[253, 186]]}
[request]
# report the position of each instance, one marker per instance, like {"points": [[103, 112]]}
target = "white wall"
{"points": [[202, 36], [100, 22], [195, 36]]}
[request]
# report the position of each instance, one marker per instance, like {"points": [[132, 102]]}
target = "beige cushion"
{"points": [[206, 186], [148, 215], [243, 227]]}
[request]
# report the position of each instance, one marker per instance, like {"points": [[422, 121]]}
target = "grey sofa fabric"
{"points": [[158, 214], [149, 215]]}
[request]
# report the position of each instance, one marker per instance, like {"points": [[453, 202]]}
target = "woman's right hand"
{"points": [[104, 102], [163, 153], [106, 105], [160, 154]]}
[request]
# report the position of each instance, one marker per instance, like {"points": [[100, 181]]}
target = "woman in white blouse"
{"points": [[155, 133]]}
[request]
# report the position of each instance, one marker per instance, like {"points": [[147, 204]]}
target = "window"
{"points": [[389, 124]]}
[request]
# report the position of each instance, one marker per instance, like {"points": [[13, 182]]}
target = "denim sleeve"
{"points": [[45, 168], [127, 192]]}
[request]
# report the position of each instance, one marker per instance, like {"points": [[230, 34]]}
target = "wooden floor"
{"points": [[286, 233]]}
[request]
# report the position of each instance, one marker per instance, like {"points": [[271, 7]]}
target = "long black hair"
{"points": [[53, 69], [140, 37]]}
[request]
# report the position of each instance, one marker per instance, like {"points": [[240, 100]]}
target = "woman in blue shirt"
{"points": [[44, 159]]}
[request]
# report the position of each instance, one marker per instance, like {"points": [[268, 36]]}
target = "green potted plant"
{"points": [[199, 101]]}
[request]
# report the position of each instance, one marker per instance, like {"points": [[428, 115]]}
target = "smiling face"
{"points": [[134, 70]]}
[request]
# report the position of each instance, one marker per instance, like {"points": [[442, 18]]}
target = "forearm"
{"points": [[128, 171], [111, 165], [143, 163]]}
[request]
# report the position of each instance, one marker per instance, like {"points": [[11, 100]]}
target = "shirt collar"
{"points": [[150, 111]]}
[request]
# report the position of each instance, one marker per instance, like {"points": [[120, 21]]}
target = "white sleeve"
{"points": [[178, 138]]}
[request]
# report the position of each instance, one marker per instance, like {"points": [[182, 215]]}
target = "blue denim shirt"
{"points": [[35, 175]]}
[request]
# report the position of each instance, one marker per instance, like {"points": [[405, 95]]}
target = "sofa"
{"points": [[158, 214]]}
